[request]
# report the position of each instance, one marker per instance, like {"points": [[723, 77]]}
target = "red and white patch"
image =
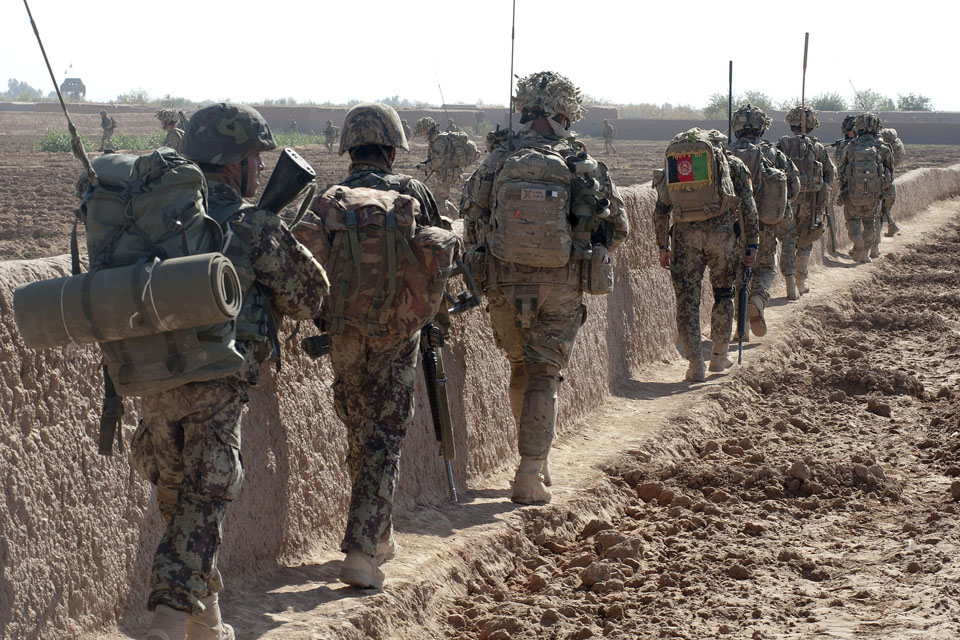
{"points": [[684, 168]]}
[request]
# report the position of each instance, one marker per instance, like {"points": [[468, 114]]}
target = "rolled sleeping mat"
{"points": [[128, 302]]}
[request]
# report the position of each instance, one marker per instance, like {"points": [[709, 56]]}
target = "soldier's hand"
{"points": [[433, 336], [750, 257], [665, 258]]}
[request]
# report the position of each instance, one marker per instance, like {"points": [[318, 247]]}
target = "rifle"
{"points": [[742, 311], [803, 85], [730, 107], [831, 222], [513, 39]]}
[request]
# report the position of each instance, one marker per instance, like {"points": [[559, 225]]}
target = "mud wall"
{"points": [[77, 531]]}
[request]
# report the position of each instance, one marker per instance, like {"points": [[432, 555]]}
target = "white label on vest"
{"points": [[533, 194]]}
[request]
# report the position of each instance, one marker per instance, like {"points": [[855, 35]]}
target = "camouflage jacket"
{"points": [[269, 260], [609, 131], [742, 186], [896, 145], [885, 154], [440, 153], [174, 139], [829, 171], [367, 174], [838, 150], [475, 206], [331, 133]]}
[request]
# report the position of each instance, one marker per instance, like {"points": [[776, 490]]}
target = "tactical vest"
{"points": [[769, 182], [801, 150]]}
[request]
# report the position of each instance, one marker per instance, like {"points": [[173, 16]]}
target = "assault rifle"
{"points": [[742, 311]]}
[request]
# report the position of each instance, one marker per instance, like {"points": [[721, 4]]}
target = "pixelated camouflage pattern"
{"points": [[372, 123], [188, 445], [174, 139], [794, 117], [764, 269], [226, 134], [373, 387], [549, 93], [748, 116]]}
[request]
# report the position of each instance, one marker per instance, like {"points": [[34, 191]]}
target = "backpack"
{"points": [[802, 152], [387, 276], [769, 183], [113, 122], [698, 181], [460, 150], [144, 209], [530, 219], [864, 177]]}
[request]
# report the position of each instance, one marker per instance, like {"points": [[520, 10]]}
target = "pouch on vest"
{"points": [[864, 180], [387, 277], [698, 181], [530, 221], [802, 152], [461, 151], [598, 273]]}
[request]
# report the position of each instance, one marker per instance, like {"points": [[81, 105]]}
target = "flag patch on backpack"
{"points": [[691, 169]]}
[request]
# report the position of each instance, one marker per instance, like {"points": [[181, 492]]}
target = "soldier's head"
{"points": [[551, 96], [847, 126], [750, 121], [426, 127], [168, 117], [867, 123], [605, 121], [372, 132], [889, 135], [329, 123], [450, 121], [103, 112], [226, 140], [794, 118]]}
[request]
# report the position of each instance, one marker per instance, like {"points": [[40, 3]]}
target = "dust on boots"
{"points": [[755, 314], [528, 484], [209, 625], [360, 570]]}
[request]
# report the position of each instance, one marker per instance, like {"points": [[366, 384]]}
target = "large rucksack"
{"points": [[387, 276], [530, 219], [698, 180], [460, 150], [769, 183], [144, 209], [864, 178], [801, 150]]}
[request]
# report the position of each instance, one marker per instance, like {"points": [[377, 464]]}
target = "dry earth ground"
{"points": [[809, 493]]}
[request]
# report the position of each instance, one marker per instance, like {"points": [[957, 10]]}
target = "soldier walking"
{"points": [[609, 134], [330, 135], [108, 126], [169, 118], [449, 153]]}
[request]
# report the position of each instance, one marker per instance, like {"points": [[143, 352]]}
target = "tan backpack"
{"points": [[387, 276], [801, 150], [769, 182], [864, 177], [698, 182]]}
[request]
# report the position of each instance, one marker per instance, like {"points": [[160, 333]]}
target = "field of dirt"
{"points": [[37, 189]]}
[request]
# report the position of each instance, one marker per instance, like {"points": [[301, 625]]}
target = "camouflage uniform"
{"points": [[406, 129], [709, 243], [330, 134], [609, 134], [188, 442], [890, 137], [168, 120], [174, 139], [863, 221], [108, 125], [809, 210], [437, 162], [451, 126], [535, 311]]}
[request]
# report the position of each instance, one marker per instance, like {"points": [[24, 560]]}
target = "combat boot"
{"points": [[696, 372], [792, 292], [719, 361], [801, 281], [168, 624], [545, 472], [800, 276], [528, 487], [755, 313], [860, 255], [208, 625], [892, 230], [875, 251], [360, 570], [387, 548]]}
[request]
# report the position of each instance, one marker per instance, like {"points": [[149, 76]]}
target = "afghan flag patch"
{"points": [[688, 169]]}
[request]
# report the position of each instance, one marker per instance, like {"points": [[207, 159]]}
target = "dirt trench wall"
{"points": [[77, 531]]}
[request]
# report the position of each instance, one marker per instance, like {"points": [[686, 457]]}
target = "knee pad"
{"points": [[722, 293]]}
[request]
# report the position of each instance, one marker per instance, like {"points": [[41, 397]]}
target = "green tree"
{"points": [[20, 91], [914, 102], [716, 108], [756, 98], [870, 100], [829, 102]]}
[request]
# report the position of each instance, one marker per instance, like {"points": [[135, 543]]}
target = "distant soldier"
{"points": [[452, 126], [809, 210], [709, 196], [609, 134], [169, 119], [330, 135], [768, 167], [109, 125], [407, 132], [448, 155], [293, 126], [866, 183], [889, 136]]}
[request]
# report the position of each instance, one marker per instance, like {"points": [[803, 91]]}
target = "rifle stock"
{"points": [[436, 380]]}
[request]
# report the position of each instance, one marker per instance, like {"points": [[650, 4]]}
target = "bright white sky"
{"points": [[625, 51]]}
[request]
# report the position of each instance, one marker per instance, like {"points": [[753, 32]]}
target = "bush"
{"points": [[55, 141], [137, 143], [297, 139], [829, 102], [914, 102]]}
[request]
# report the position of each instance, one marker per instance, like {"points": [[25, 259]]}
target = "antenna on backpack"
{"points": [[730, 107], [803, 85], [513, 39]]}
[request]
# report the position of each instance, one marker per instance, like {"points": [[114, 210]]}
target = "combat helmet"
{"points": [[748, 116], [372, 123], [867, 123], [226, 134], [889, 135], [426, 126], [548, 94], [794, 119], [167, 116], [847, 125]]}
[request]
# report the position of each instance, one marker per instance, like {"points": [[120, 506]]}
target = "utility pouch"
{"points": [[597, 275]]}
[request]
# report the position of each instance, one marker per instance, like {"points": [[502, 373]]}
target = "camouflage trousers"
{"points": [[608, 146], [862, 225], [447, 181], [764, 271], [105, 139], [373, 389], [797, 238], [536, 325], [696, 246], [188, 445]]}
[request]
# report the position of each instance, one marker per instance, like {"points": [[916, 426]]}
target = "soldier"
{"points": [[452, 126], [444, 159], [609, 133], [330, 134], [188, 442], [809, 209], [374, 377], [406, 130], [848, 134], [533, 284], [108, 124], [889, 136], [169, 119], [293, 126], [749, 124], [698, 242], [866, 183]]}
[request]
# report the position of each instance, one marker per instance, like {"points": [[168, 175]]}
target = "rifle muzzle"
{"points": [[290, 177]]}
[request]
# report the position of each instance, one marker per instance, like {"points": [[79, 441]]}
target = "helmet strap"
{"points": [[244, 167]]}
